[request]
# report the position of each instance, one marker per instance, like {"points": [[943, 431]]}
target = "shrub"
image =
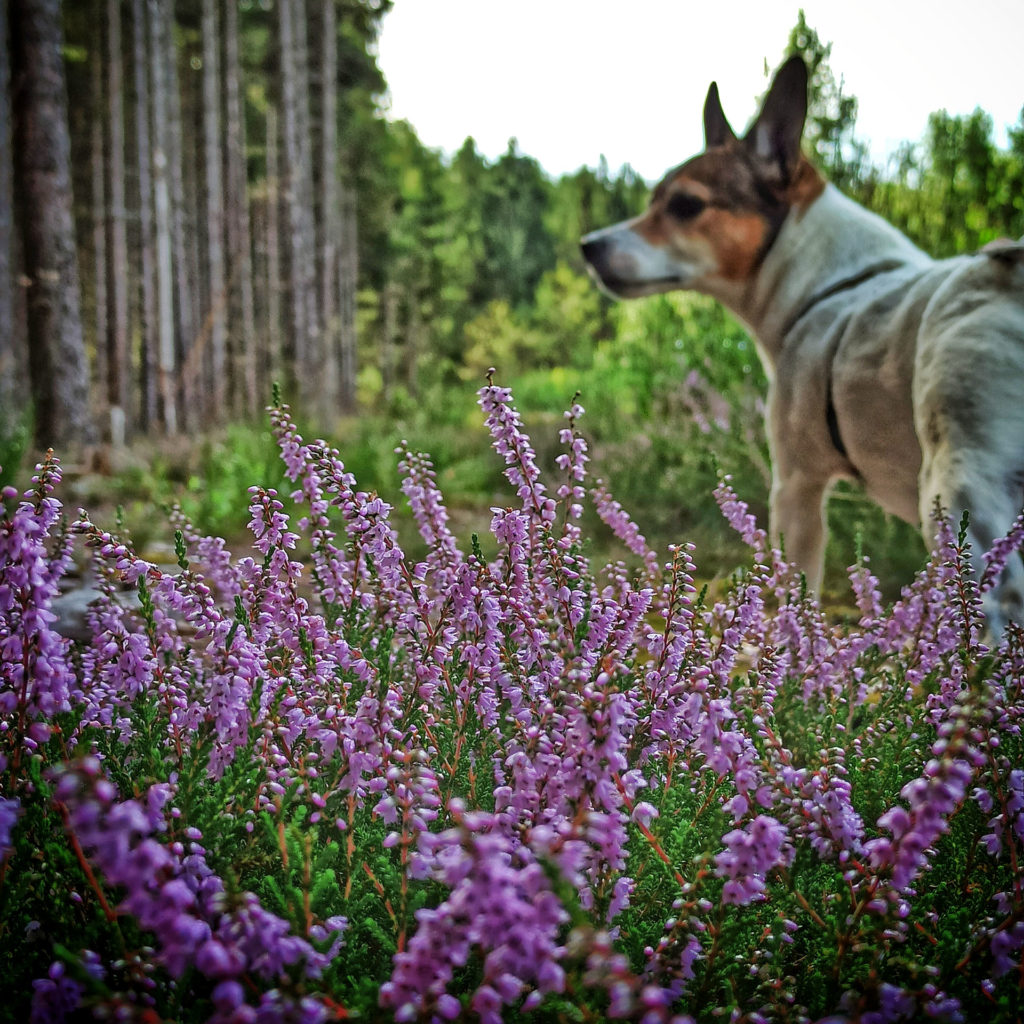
{"points": [[522, 787]]}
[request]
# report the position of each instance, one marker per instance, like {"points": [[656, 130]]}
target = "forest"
{"points": [[202, 198]]}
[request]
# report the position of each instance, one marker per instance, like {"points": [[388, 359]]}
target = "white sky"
{"points": [[574, 79]]}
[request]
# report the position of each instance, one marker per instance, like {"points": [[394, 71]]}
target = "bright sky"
{"points": [[574, 79]]}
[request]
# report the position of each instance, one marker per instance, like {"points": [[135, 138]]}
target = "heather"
{"points": [[324, 779]]}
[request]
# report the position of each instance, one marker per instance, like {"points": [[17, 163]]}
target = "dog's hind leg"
{"points": [[964, 480], [968, 413]]}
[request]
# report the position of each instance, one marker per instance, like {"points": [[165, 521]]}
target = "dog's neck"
{"points": [[831, 242]]}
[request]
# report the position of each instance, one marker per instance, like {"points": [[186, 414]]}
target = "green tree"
{"points": [[569, 316], [589, 199], [831, 111], [518, 248]]}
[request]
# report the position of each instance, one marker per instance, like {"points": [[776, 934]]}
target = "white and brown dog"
{"points": [[886, 366]]}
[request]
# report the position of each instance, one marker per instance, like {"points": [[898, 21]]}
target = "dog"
{"points": [[885, 366]]}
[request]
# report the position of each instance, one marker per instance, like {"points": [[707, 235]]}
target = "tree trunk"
{"points": [[186, 272], [412, 349], [98, 182], [274, 354], [163, 221], [148, 311], [247, 398], [389, 338], [297, 195], [12, 349], [215, 390], [118, 363], [330, 232], [348, 275], [57, 360]]}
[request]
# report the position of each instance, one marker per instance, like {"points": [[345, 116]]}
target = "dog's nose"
{"points": [[591, 246]]}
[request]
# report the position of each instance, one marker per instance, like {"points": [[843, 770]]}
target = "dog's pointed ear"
{"points": [[775, 135], [717, 130]]}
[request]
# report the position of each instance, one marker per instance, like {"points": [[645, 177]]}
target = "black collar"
{"points": [[842, 285]]}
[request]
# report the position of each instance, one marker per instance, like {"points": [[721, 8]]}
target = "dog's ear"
{"points": [[775, 135], [717, 130]]}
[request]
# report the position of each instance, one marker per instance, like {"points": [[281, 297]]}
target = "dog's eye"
{"points": [[683, 206]]}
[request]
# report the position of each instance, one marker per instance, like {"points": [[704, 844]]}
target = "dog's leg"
{"points": [[968, 481], [797, 522], [969, 418]]}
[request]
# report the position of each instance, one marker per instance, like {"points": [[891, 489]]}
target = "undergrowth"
{"points": [[520, 786]]}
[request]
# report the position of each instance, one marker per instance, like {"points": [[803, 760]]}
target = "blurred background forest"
{"points": [[201, 197]]}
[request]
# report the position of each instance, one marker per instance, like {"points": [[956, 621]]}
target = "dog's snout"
{"points": [[591, 246]]}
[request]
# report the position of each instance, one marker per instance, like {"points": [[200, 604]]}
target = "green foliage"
{"points": [[216, 489], [832, 112], [14, 443]]}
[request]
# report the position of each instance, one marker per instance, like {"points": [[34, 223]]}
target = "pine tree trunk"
{"points": [[328, 222], [307, 368], [186, 273], [98, 182], [118, 363], [348, 281], [413, 343], [167, 388], [215, 390], [12, 349], [42, 164], [389, 338], [247, 397], [274, 354], [148, 311]]}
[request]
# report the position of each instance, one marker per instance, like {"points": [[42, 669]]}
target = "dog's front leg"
{"points": [[797, 521]]}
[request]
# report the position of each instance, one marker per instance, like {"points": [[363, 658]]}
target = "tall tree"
{"points": [[11, 347], [118, 275], [518, 246], [328, 221], [273, 353], [57, 360], [831, 112], [215, 327], [348, 283], [188, 352], [294, 63], [148, 316], [98, 187], [163, 224], [246, 397]]}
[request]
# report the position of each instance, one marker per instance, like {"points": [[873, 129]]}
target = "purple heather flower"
{"points": [[894, 1004], [427, 504], [579, 702], [750, 853], [36, 674], [173, 894], [999, 554], [512, 444], [500, 902], [932, 799], [10, 810], [1007, 944], [738, 516], [55, 997], [618, 520]]}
